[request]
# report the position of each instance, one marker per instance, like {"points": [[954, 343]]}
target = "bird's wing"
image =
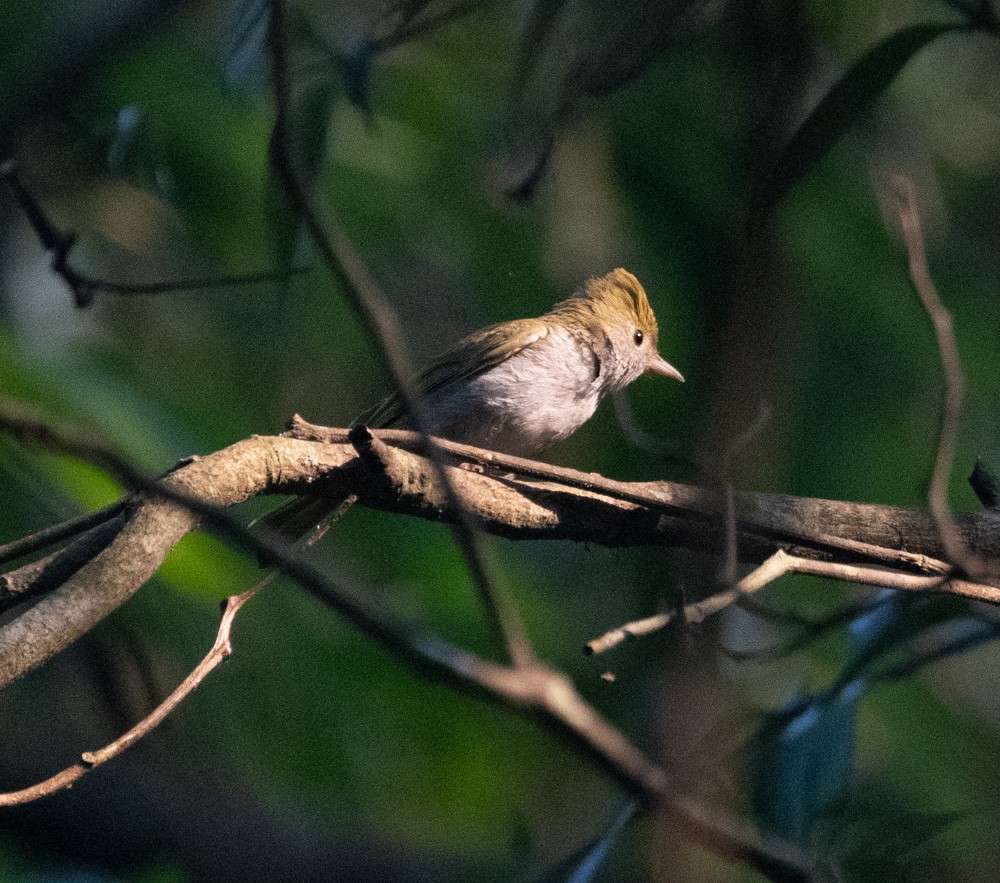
{"points": [[475, 354]]}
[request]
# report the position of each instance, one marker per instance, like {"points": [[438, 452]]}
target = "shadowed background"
{"points": [[484, 163]]}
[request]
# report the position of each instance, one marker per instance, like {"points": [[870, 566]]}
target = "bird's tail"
{"points": [[304, 520]]}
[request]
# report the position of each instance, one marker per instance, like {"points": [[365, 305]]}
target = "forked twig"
{"points": [[776, 566], [89, 760], [86, 287]]}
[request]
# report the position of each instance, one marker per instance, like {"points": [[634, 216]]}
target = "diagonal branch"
{"points": [[89, 760], [381, 323]]}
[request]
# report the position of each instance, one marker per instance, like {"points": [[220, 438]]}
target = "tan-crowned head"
{"points": [[613, 314]]}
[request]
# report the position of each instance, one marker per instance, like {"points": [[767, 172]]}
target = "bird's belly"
{"points": [[520, 407]]}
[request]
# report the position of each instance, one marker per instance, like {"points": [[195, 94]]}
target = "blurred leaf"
{"points": [[582, 864], [309, 101], [802, 762], [596, 50], [972, 633], [986, 485], [888, 628], [541, 19], [168, 125], [202, 568], [356, 62], [85, 484], [867, 836], [845, 103], [804, 755], [244, 61]]}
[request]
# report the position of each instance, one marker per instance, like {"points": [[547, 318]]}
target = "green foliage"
{"points": [[842, 107], [652, 140]]}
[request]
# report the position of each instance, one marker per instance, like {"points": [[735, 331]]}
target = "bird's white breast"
{"points": [[525, 404]]}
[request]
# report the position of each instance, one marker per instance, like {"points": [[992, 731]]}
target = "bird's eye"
{"points": [[638, 338]]}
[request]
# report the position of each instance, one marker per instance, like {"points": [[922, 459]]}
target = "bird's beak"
{"points": [[659, 365]]}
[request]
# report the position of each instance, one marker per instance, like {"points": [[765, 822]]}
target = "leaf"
{"points": [[536, 32], [582, 864], [845, 103], [244, 55], [803, 757], [869, 835], [891, 628], [802, 762], [356, 63]]}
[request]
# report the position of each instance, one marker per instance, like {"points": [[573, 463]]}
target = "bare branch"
{"points": [[52, 536], [106, 565], [85, 287], [90, 760], [887, 536], [560, 503], [152, 525], [954, 382], [776, 566]]}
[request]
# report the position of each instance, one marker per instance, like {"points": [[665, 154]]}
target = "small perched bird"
{"points": [[518, 387]]}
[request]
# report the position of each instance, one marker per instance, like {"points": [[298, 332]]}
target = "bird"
{"points": [[520, 386]]}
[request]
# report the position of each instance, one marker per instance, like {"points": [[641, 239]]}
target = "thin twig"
{"points": [[381, 322], [89, 760], [50, 536], [86, 287], [776, 566], [26, 423], [954, 382], [770, 570]]}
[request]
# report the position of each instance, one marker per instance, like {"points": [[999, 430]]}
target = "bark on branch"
{"points": [[106, 565]]}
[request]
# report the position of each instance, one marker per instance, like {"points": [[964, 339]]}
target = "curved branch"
{"points": [[106, 565], [221, 650], [954, 382]]}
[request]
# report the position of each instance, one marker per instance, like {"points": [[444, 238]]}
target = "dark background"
{"points": [[483, 167]]}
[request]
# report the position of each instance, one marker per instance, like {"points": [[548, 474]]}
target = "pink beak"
{"points": [[659, 365]]}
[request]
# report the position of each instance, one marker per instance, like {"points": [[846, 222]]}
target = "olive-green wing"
{"points": [[480, 351]]}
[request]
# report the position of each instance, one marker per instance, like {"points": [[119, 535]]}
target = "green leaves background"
{"points": [[733, 157]]}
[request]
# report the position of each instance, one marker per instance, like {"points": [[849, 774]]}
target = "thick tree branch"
{"points": [[106, 565], [689, 516], [152, 524]]}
